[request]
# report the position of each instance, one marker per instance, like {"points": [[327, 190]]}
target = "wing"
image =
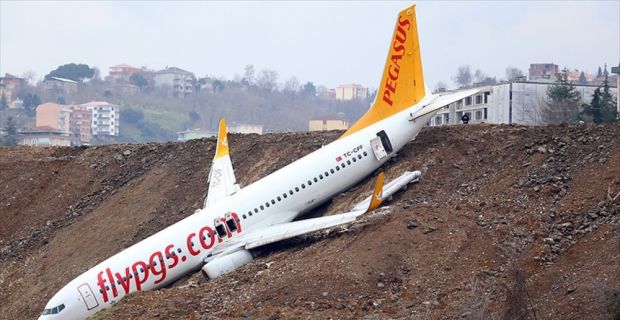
{"points": [[287, 230], [440, 101], [222, 182]]}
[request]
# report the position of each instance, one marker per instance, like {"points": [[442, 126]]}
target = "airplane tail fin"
{"points": [[402, 84]]}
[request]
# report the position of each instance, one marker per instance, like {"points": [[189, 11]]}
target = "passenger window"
{"points": [[179, 250], [337, 168], [296, 189], [321, 176], [303, 186], [279, 199], [262, 207], [316, 180], [326, 174], [353, 159], [267, 204], [365, 154], [284, 195], [343, 165], [291, 192], [273, 201], [255, 210], [359, 156], [309, 182], [331, 170], [348, 162]]}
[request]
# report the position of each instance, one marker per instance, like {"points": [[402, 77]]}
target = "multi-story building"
{"points": [[12, 82], [538, 71], [61, 85], [519, 102], [616, 70], [80, 124], [351, 91], [328, 123], [105, 119], [54, 115], [123, 71], [43, 136], [179, 81]]}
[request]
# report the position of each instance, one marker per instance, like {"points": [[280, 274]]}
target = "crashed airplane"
{"points": [[219, 237]]}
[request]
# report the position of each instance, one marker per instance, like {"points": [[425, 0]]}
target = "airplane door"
{"points": [[88, 297], [381, 145]]}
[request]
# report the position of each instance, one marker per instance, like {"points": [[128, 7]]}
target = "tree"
{"points": [[11, 133], [291, 85], [599, 74], [440, 85], [463, 76], [131, 115], [309, 89], [267, 80], [72, 71], [248, 75], [602, 108], [29, 76], [513, 73], [582, 79], [562, 105], [31, 102], [218, 85], [138, 80], [4, 104]]}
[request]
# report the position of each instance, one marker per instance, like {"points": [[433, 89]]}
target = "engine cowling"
{"points": [[227, 263]]}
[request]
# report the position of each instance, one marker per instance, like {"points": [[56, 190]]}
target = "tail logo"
{"points": [[398, 49]]}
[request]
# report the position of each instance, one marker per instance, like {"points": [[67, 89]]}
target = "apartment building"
{"points": [[53, 115], [351, 91], [326, 123], [105, 119], [180, 82], [80, 124], [43, 136]]}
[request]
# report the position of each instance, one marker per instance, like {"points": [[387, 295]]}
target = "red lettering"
{"points": [[401, 35], [101, 284], [390, 86], [190, 247], [109, 273], [170, 253], [386, 97], [137, 273], [406, 23], [237, 221], [157, 260], [211, 237], [125, 281], [393, 76]]}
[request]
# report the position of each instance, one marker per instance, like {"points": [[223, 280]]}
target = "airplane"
{"points": [[234, 220]]}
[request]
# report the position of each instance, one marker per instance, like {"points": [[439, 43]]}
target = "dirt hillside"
{"points": [[508, 222]]}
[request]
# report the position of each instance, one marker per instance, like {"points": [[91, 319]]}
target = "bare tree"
{"points": [[463, 76], [29, 76], [267, 80], [291, 85], [248, 75], [512, 73]]}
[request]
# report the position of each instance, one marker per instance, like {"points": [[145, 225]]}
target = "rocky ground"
{"points": [[508, 222]]}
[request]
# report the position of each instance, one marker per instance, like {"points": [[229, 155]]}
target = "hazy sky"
{"points": [[325, 42]]}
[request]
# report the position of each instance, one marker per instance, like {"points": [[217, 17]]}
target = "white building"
{"points": [[245, 128], [178, 80], [105, 118], [351, 91], [519, 102]]}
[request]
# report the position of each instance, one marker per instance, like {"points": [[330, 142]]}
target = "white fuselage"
{"points": [[277, 198]]}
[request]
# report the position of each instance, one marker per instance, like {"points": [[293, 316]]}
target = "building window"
{"points": [[438, 120], [478, 114], [468, 101], [479, 99]]}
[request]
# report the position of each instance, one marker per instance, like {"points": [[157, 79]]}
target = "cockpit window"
{"points": [[53, 310]]}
